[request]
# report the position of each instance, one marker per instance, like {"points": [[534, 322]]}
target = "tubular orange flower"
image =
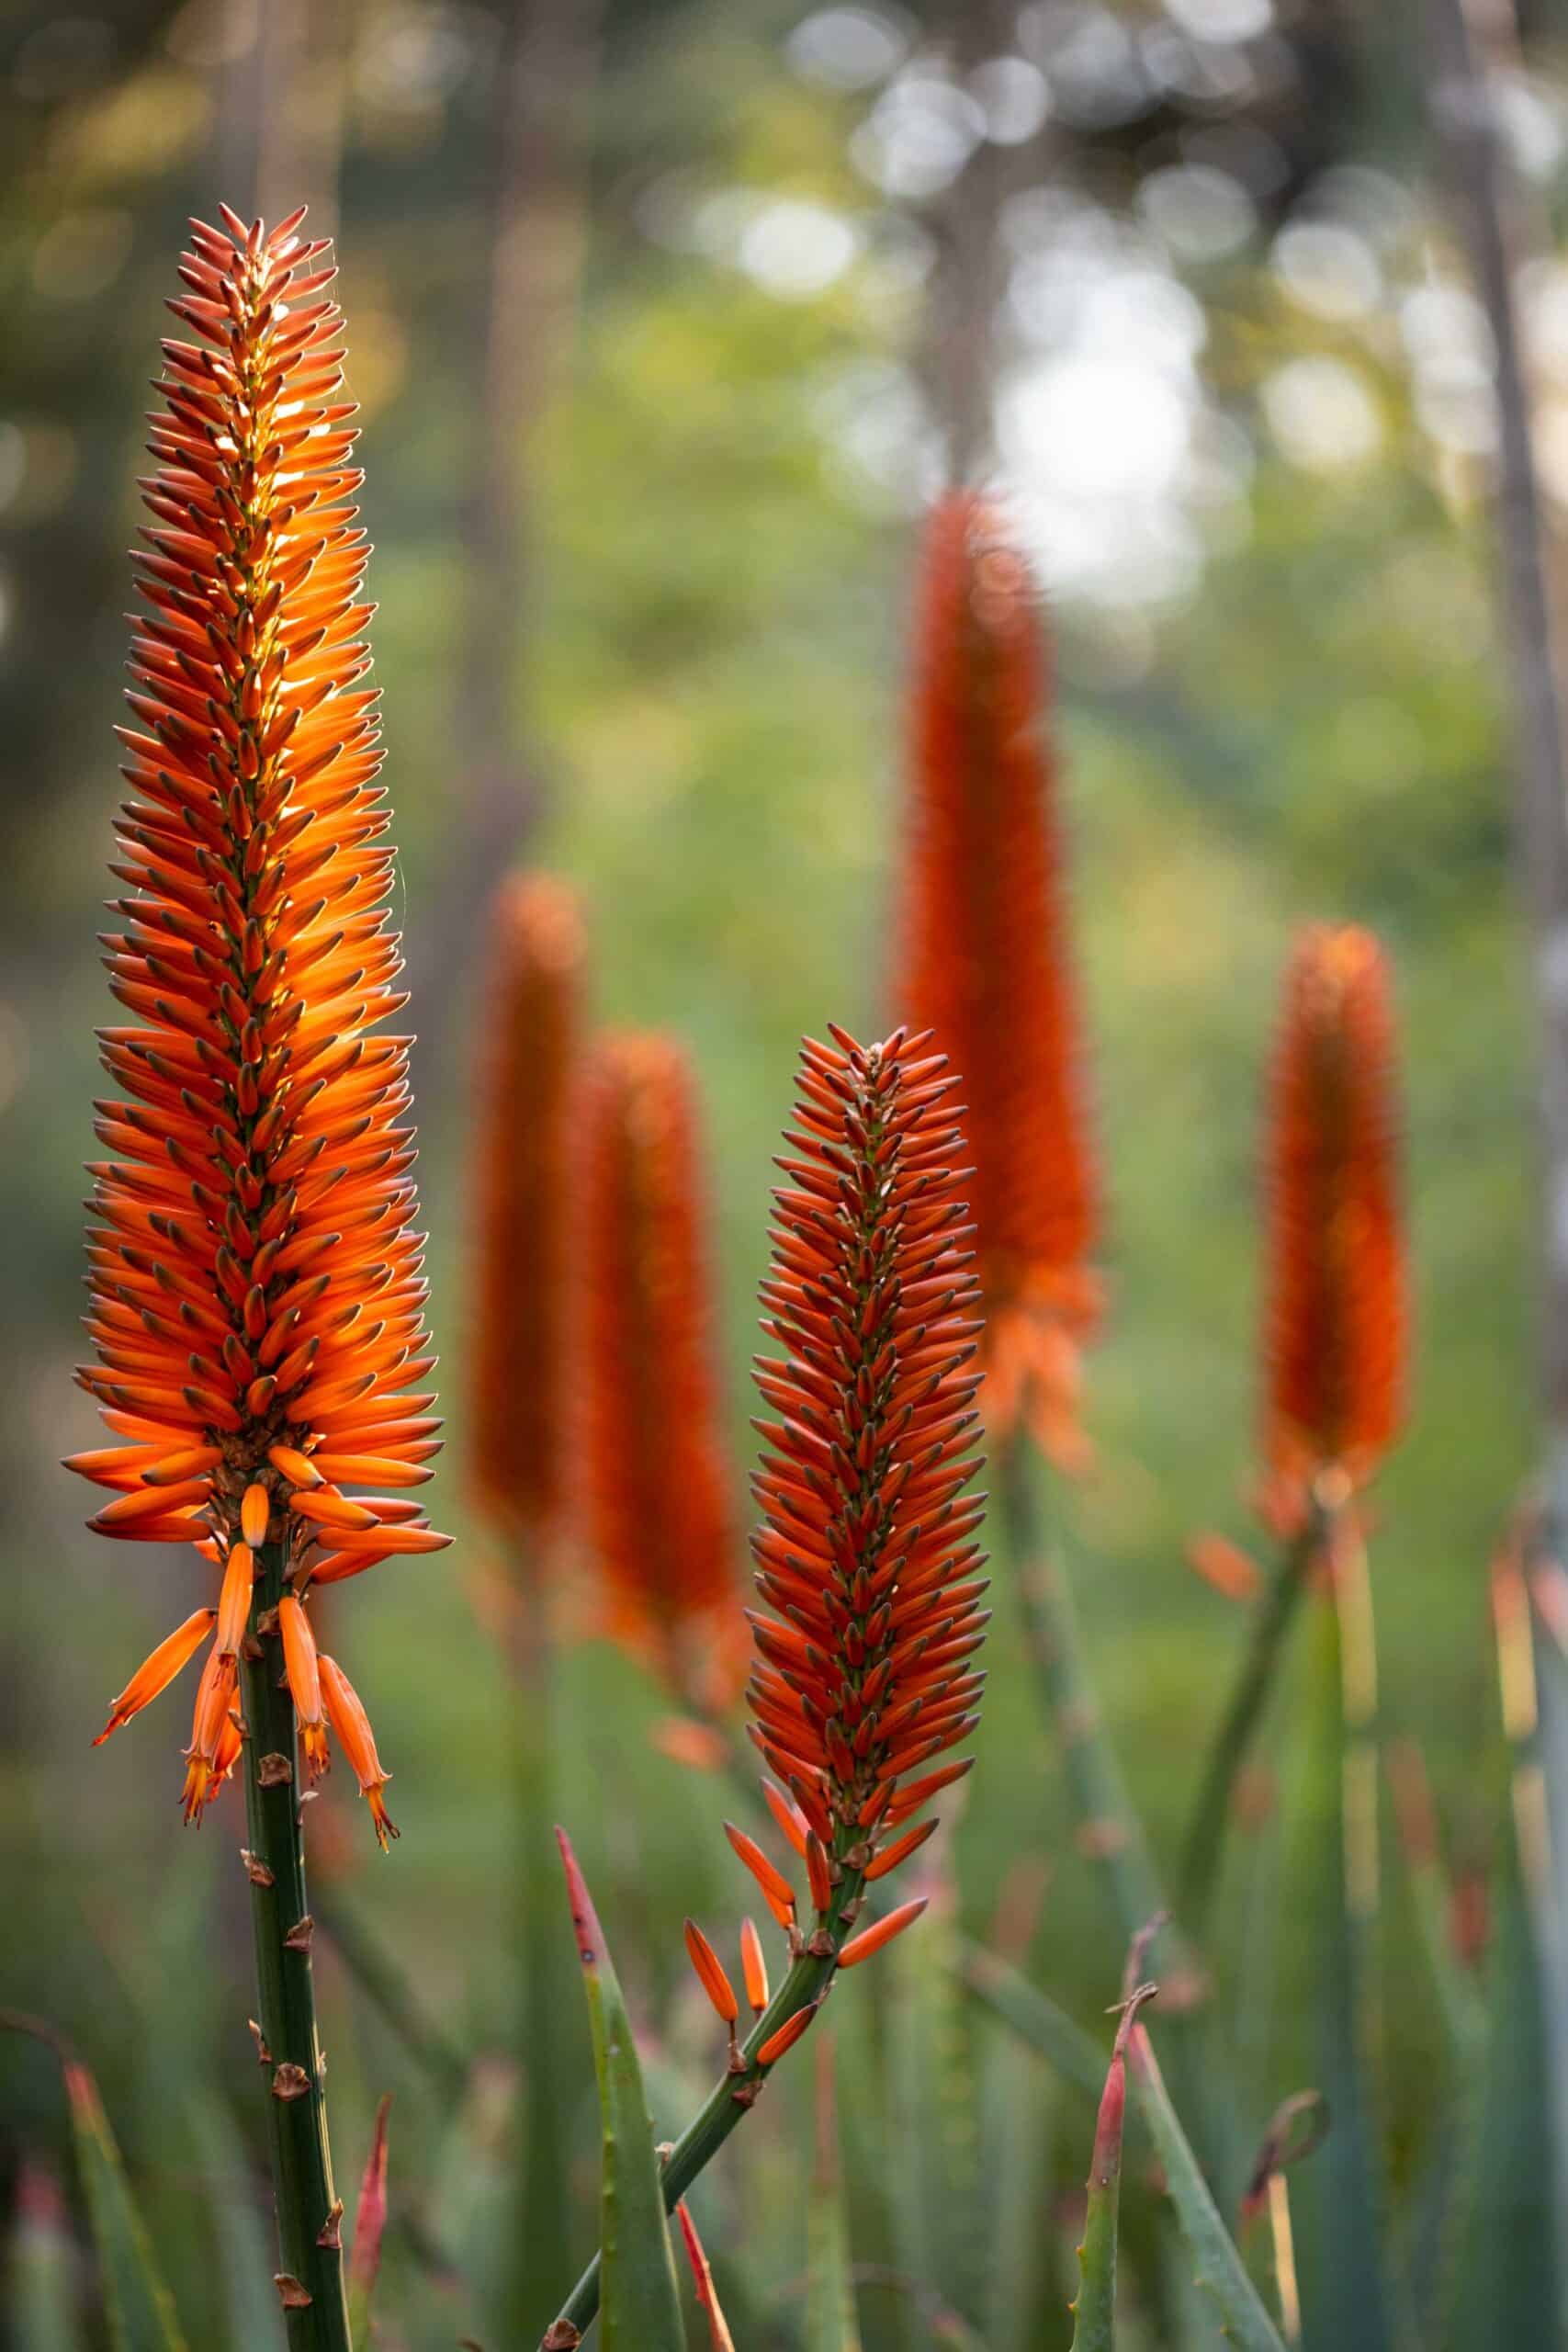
{"points": [[256, 1290], [983, 960], [1334, 1330], [155, 1673], [649, 1468], [234, 1599], [865, 1552], [303, 1666], [352, 1724], [538, 956], [205, 1767]]}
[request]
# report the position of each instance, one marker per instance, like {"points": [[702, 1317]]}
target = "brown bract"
{"points": [[982, 959], [867, 1556], [650, 1477], [531, 1015], [1335, 1332], [257, 1298]]}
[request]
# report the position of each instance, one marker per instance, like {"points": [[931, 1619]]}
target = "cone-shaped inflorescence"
{"points": [[650, 1479], [865, 1674], [1335, 1336], [982, 959], [518, 1405], [257, 1301]]}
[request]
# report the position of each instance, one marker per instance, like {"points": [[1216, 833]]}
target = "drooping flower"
{"points": [[650, 1472], [518, 1409], [983, 959], [867, 1556], [1334, 1330], [257, 1299]]}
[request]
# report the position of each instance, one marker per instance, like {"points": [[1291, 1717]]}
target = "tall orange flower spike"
{"points": [[1336, 1319], [651, 1472], [538, 958], [867, 1552], [257, 1303], [983, 960]]}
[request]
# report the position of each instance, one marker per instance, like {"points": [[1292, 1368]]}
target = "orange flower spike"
{"points": [[650, 1451], [303, 1668], [871, 1940], [522, 1202], [156, 1673], [710, 1973], [254, 1270], [777, 1893], [234, 1599], [352, 1724], [1335, 1328], [866, 1554], [983, 959], [753, 1967]]}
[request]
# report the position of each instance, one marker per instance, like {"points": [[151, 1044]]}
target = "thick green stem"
{"points": [[733, 2096], [1271, 1621], [310, 2282]]}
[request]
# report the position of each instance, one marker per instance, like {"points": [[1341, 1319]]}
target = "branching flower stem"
{"points": [[733, 2097]]}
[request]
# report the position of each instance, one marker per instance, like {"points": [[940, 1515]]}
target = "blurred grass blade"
{"points": [[940, 2209], [1033, 2015], [1507, 2288], [1015, 2138], [369, 2226], [138, 2305], [237, 2201], [140, 2309], [41, 2305], [639, 2311], [1217, 2265], [548, 2228], [1338, 2201], [1094, 2312], [720, 2336], [380, 1974], [831, 2321]]}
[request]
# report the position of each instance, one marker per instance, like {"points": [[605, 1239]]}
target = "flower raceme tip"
{"points": [[256, 1287]]}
